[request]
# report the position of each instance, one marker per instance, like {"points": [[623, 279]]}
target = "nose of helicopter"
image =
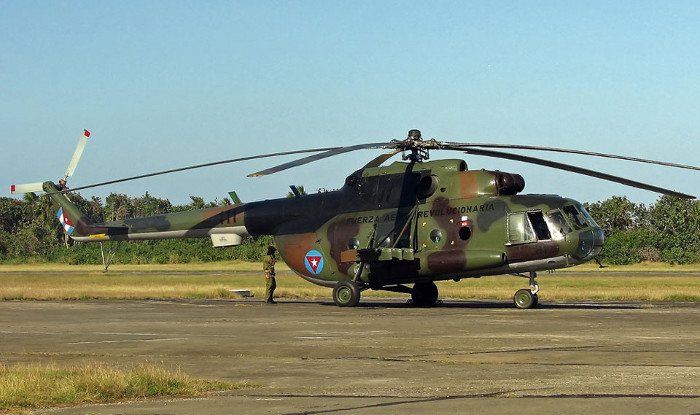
{"points": [[590, 243]]}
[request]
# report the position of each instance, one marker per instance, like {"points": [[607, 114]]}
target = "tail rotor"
{"points": [[38, 187]]}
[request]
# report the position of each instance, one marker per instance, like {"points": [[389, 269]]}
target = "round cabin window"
{"points": [[465, 233]]}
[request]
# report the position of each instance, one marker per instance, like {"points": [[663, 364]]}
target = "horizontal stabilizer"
{"points": [[226, 239], [27, 188]]}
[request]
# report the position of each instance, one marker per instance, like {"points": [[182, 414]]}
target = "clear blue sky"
{"points": [[163, 84]]}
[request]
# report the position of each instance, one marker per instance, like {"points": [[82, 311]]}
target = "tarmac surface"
{"points": [[381, 357]]}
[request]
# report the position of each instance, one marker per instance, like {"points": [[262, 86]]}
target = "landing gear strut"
{"points": [[527, 298], [111, 252]]}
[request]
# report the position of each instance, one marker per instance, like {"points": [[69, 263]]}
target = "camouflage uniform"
{"points": [[269, 268]]}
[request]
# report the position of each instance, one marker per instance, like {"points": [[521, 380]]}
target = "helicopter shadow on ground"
{"points": [[486, 304]]}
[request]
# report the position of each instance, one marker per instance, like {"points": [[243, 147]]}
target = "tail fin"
{"points": [[74, 222]]}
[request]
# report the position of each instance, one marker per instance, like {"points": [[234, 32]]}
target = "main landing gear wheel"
{"points": [[424, 294], [346, 294], [525, 299]]}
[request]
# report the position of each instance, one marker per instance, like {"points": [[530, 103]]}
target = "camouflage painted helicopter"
{"points": [[398, 227]]}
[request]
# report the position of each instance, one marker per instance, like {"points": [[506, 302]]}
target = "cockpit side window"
{"points": [[557, 224], [538, 223], [576, 217]]}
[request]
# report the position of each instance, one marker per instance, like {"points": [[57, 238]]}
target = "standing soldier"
{"points": [[269, 268]]}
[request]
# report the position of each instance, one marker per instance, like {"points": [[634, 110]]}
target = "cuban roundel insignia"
{"points": [[314, 262], [65, 221]]}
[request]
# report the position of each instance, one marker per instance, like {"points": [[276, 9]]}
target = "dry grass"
{"points": [[222, 266], [213, 281], [641, 267], [32, 387], [563, 287]]}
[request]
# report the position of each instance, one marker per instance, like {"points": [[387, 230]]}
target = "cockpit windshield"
{"points": [[557, 224], [575, 216], [587, 215]]}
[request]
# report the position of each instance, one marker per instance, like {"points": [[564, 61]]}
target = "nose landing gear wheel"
{"points": [[346, 294], [424, 294], [525, 299]]}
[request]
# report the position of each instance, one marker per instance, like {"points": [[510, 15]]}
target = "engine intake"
{"points": [[509, 184]]}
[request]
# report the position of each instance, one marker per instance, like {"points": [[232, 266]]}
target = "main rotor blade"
{"points": [[308, 159], [198, 166], [570, 151], [574, 169], [377, 161]]}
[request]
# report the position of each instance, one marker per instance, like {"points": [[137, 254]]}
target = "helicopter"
{"points": [[398, 227]]}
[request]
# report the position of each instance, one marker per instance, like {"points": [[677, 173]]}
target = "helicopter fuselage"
{"points": [[412, 222]]}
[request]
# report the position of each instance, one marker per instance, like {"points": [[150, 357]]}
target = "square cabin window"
{"points": [[519, 228]]}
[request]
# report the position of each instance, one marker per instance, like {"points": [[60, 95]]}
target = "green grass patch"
{"points": [[24, 387]]}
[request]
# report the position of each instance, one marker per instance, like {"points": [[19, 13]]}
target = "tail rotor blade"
{"points": [[27, 188], [77, 153]]}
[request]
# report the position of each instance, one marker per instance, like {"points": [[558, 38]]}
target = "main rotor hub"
{"points": [[414, 142]]}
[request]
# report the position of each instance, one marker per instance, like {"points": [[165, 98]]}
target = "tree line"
{"points": [[30, 232], [666, 231]]}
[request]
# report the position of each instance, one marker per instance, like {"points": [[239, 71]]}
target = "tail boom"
{"points": [[224, 225]]}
